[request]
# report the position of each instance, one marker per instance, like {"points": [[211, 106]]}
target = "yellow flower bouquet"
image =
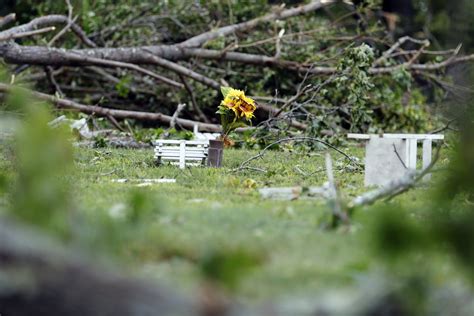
{"points": [[236, 111]]}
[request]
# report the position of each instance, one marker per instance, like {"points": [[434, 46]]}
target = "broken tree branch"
{"points": [[50, 75], [47, 21], [395, 187], [118, 114], [26, 34], [200, 39], [163, 55], [244, 164], [7, 19], [196, 106], [67, 27], [184, 71], [176, 113], [112, 63]]}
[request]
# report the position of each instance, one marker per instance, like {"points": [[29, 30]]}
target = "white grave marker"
{"points": [[389, 156]]}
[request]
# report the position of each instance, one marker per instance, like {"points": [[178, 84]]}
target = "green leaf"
{"points": [[225, 91], [236, 124]]}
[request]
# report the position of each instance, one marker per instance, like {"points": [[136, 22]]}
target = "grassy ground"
{"points": [[211, 211], [211, 223]]}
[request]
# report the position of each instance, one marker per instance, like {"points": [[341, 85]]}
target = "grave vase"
{"points": [[216, 153]]}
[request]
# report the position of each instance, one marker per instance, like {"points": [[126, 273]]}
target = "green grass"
{"points": [[212, 209], [209, 211]]}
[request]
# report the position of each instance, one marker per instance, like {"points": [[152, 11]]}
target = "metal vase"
{"points": [[215, 154]]}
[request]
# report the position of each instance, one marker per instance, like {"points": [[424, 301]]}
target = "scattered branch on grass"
{"points": [[115, 123], [395, 187], [244, 164], [294, 193]]}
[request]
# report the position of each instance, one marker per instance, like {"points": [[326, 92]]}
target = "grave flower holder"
{"points": [[215, 153]]}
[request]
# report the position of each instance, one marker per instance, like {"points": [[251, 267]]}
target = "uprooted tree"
{"points": [[321, 68]]}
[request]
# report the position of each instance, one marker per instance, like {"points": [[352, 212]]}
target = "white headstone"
{"points": [[385, 160]]}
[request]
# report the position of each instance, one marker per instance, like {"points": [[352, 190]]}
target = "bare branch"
{"points": [[50, 75], [112, 63], [26, 34], [196, 107], [398, 43], [70, 22], [425, 67], [200, 39], [46, 21], [162, 56], [184, 71]]}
